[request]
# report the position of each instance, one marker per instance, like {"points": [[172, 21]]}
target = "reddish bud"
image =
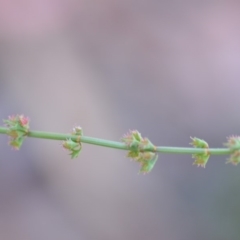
{"points": [[18, 129]]}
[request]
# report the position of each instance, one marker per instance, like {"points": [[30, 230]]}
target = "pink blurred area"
{"points": [[169, 69], [28, 18]]}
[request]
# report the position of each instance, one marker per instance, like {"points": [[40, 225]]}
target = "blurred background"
{"points": [[170, 69]]}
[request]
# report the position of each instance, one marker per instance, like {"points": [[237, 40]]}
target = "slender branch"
{"points": [[118, 145], [140, 149], [83, 139], [184, 150]]}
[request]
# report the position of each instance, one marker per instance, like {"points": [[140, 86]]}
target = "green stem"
{"points": [[118, 145]]}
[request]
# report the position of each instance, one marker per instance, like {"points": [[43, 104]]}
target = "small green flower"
{"points": [[18, 129], [73, 147], [141, 150], [147, 165], [77, 131], [201, 159], [234, 158], [132, 139], [199, 143], [233, 144]]}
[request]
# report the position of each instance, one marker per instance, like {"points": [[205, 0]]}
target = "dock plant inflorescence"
{"points": [[140, 149]]}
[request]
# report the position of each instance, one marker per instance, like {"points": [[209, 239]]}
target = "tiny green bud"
{"points": [[199, 143], [201, 159], [234, 158], [147, 165], [77, 131], [73, 147], [233, 144], [132, 139], [141, 150]]}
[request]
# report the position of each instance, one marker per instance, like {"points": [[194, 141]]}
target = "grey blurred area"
{"points": [[170, 69]]}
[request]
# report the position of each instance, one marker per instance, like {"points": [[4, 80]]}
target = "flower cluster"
{"points": [[141, 150], [74, 146], [201, 159], [233, 144], [18, 128]]}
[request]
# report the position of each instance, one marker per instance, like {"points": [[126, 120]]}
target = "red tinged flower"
{"points": [[18, 128], [24, 121]]}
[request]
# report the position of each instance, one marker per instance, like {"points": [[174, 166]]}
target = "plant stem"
{"points": [[118, 145]]}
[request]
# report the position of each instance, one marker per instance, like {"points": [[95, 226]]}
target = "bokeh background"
{"points": [[170, 69]]}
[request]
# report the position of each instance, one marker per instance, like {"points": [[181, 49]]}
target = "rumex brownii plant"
{"points": [[139, 149]]}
